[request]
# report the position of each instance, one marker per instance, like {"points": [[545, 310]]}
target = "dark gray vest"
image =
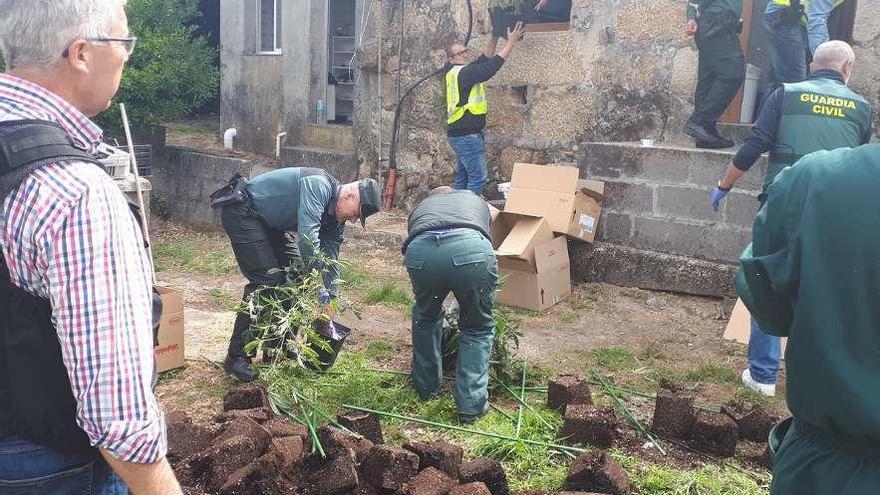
{"points": [[457, 209]]}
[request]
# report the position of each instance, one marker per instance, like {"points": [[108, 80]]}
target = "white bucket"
{"points": [[750, 93]]}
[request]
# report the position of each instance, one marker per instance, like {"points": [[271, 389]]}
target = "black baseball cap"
{"points": [[368, 189]]}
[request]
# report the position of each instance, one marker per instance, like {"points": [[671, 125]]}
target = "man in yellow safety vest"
{"points": [[466, 106]]}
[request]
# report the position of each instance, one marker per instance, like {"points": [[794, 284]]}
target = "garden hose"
{"points": [[388, 194]]}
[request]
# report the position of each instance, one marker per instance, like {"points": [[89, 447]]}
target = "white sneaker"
{"points": [[761, 388]]}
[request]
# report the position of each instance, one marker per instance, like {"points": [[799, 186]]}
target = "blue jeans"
{"points": [[30, 469], [788, 49], [764, 355], [471, 153]]}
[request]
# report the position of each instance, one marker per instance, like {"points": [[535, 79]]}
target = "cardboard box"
{"points": [[533, 264], [572, 206], [739, 327], [170, 351]]}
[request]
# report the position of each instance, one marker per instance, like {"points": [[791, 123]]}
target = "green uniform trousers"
{"points": [[460, 261], [811, 462], [720, 72]]}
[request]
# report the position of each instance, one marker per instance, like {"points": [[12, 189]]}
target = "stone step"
{"points": [[657, 199], [340, 164], [735, 132], [339, 137]]}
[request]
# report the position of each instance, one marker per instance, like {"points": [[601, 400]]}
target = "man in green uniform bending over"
{"points": [[812, 274], [449, 250], [295, 199]]}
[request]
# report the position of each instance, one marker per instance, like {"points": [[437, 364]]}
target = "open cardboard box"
{"points": [[739, 326], [533, 264], [170, 351], [572, 206]]}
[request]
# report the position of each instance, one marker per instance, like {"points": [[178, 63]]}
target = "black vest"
{"points": [[36, 400], [456, 209]]}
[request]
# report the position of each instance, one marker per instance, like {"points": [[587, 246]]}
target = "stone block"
{"points": [[545, 59], [615, 226], [638, 198], [590, 424], [867, 27], [246, 397], [471, 489], [510, 155], [443, 456], [365, 424], [486, 471], [689, 203], [715, 434], [709, 166], [753, 422], [566, 390], [343, 165], [649, 21], [740, 209], [625, 266], [701, 241], [596, 471], [674, 413], [561, 117], [389, 468], [429, 482], [610, 160]]}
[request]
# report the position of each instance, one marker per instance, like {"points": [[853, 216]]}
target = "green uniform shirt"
{"points": [[734, 6], [303, 200], [812, 273]]}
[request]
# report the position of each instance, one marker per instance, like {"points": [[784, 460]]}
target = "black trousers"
{"points": [[720, 73], [258, 251]]}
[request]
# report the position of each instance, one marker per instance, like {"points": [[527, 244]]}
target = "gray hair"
{"points": [[832, 55], [34, 33]]}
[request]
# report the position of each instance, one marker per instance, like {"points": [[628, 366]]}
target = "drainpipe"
{"points": [[278, 139], [227, 137]]}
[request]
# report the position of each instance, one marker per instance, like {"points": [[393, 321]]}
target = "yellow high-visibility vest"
{"points": [[476, 104], [805, 4]]}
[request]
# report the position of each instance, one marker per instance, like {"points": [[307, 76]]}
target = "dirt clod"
{"points": [[278, 427], [364, 424], [260, 415], [487, 471], [476, 488], [328, 476], [441, 455], [217, 463], [288, 451], [673, 412], [257, 478], [585, 423], [184, 437], [597, 471], [715, 434], [568, 389], [389, 468], [430, 481], [248, 396], [246, 427], [333, 441], [753, 422]]}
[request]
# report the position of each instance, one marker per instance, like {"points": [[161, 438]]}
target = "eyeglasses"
{"points": [[127, 44]]}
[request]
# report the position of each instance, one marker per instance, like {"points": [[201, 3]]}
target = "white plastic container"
{"points": [[750, 93], [117, 162]]}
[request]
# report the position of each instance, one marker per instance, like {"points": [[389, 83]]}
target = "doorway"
{"points": [[340, 55]]}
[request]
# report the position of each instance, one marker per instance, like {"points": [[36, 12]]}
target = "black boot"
{"points": [[705, 138], [239, 367], [713, 129]]}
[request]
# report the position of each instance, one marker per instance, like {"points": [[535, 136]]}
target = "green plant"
{"points": [[389, 294], [613, 358], [504, 366], [711, 372], [171, 72]]}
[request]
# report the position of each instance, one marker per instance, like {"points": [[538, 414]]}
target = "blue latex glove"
{"points": [[324, 297], [717, 196]]}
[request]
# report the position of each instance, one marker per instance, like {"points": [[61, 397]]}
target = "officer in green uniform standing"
{"points": [[811, 274], [307, 201], [715, 24], [448, 249], [818, 114]]}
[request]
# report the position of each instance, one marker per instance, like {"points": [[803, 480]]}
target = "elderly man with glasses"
{"points": [[78, 413], [466, 106]]}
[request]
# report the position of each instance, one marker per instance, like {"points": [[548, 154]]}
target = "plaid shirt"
{"points": [[67, 235]]}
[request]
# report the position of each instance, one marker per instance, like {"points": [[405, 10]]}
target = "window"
{"points": [[269, 27], [554, 15]]}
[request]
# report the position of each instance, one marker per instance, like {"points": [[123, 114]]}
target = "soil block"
{"points": [[279, 427], [248, 396], [585, 423], [596, 471], [257, 478], [328, 476], [365, 489], [752, 421], [476, 488], [335, 441], [185, 438], [288, 451], [673, 413], [365, 424], [441, 455], [487, 471], [389, 468], [715, 434], [246, 427], [260, 415], [568, 389], [216, 464], [430, 481]]}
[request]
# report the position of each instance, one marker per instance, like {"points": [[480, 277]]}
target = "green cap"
{"points": [[369, 196]]}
